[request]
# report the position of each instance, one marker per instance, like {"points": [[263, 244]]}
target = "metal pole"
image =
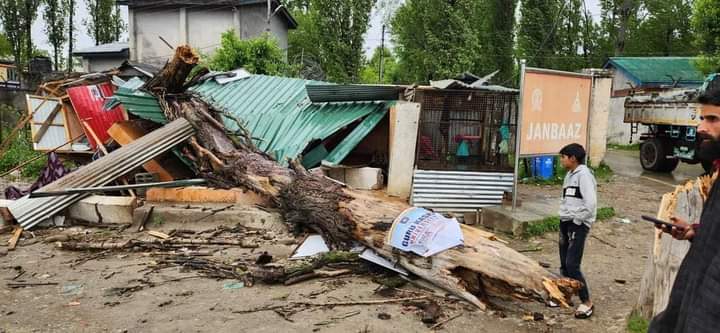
{"points": [[382, 54], [269, 11], [517, 134]]}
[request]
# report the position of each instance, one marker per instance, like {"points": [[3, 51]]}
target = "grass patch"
{"points": [[552, 223], [637, 324], [158, 220], [605, 213], [539, 228], [21, 150], [630, 147]]}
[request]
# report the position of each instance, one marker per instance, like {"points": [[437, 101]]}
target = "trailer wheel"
{"points": [[653, 156]]}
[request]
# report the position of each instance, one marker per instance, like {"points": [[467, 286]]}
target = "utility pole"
{"points": [[70, 36], [382, 55]]}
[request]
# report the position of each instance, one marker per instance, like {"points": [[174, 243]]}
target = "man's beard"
{"points": [[708, 148]]}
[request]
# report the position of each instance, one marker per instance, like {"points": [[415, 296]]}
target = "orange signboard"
{"points": [[554, 112]]}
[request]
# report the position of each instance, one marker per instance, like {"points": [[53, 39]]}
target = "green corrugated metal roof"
{"points": [[353, 139], [138, 102], [659, 70], [278, 111]]}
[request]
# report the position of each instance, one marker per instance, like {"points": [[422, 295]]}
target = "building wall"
{"points": [[148, 26], [101, 64], [620, 80], [253, 23], [214, 24], [599, 115], [200, 27]]}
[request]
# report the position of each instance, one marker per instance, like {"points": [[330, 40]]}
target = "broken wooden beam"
{"points": [[124, 133]]}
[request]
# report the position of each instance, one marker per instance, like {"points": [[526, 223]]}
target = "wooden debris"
{"points": [[146, 217], [443, 322], [156, 243], [12, 243], [316, 274], [15, 285], [158, 234]]}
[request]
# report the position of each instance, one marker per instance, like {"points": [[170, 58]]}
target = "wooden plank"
{"points": [[126, 132], [46, 124], [12, 243]]}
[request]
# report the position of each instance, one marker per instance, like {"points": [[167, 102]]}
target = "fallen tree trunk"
{"points": [[482, 268], [171, 79]]}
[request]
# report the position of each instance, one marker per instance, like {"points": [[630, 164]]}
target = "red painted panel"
{"points": [[88, 102]]}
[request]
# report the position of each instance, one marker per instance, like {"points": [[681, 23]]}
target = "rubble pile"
{"points": [[158, 137]]}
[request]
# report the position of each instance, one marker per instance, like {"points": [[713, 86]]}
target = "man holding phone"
{"points": [[694, 304]]}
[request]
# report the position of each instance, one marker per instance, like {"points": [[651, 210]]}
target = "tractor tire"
{"points": [[653, 156]]}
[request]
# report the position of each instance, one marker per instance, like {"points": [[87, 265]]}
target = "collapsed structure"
{"points": [[261, 134]]}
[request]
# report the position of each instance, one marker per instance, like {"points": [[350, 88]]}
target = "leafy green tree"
{"points": [[5, 46], [17, 17], [619, 23], [501, 32], [371, 70], [104, 23], [439, 39], [260, 55], [666, 28], [706, 26], [54, 15], [331, 34], [538, 39]]}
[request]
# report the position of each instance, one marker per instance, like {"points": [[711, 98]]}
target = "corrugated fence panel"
{"points": [[30, 211], [89, 103], [459, 191]]}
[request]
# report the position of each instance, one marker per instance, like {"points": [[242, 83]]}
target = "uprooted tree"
{"points": [[484, 267]]}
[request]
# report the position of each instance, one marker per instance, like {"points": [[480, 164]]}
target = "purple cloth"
{"points": [[52, 172]]}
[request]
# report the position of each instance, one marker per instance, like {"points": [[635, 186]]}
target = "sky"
{"points": [[83, 40]]}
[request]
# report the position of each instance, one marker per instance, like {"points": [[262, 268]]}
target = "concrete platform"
{"points": [[196, 217], [504, 219]]}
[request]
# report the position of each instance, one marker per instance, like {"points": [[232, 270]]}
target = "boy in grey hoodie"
{"points": [[577, 214]]}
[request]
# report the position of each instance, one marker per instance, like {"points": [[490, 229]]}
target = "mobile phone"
{"points": [[661, 222]]}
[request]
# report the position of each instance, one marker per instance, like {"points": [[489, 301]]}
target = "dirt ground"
{"points": [[120, 292]]}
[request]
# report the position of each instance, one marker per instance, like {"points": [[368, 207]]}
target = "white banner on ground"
{"points": [[423, 232]]}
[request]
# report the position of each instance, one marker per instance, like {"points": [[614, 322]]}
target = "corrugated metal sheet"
{"points": [[29, 212], [353, 139], [88, 102], [278, 112], [459, 191], [320, 93], [139, 102], [659, 70]]}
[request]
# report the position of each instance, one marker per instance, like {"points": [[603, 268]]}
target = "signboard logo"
{"points": [[537, 99]]}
